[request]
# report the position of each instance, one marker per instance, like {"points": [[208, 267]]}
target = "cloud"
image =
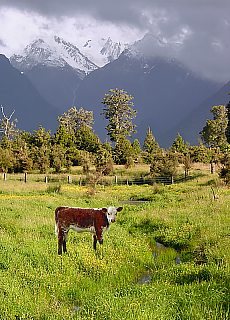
{"points": [[201, 26]]}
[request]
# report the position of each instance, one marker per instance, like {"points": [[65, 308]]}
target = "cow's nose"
{"points": [[112, 220]]}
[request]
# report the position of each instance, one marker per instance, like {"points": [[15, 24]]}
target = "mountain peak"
{"points": [[55, 52]]}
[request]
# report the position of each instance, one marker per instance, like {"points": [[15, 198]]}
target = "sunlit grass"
{"points": [[181, 222]]}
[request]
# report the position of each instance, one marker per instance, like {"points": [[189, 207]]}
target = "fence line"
{"points": [[84, 180]]}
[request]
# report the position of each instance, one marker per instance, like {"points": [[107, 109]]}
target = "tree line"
{"points": [[75, 142]]}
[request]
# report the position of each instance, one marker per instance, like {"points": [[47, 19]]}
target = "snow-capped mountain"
{"points": [[55, 52], [103, 51]]}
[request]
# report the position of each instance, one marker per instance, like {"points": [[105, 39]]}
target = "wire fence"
{"points": [[91, 179]]}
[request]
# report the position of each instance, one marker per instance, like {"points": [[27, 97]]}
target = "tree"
{"points": [[41, 149], [228, 125], [225, 170], [7, 125], [103, 161], [58, 158], [136, 151], [120, 114], [22, 151], [74, 119], [123, 152], [150, 146], [179, 145], [86, 139], [7, 159], [164, 165], [214, 132]]}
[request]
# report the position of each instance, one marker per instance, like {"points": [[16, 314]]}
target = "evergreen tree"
{"points": [[150, 146], [136, 151], [179, 145], [120, 114]]}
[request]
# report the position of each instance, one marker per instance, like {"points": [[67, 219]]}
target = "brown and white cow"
{"points": [[83, 219]]}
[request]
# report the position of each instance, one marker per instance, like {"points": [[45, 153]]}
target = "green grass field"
{"points": [[166, 257]]}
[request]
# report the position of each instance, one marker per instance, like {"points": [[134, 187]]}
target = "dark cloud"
{"points": [[202, 25], [204, 14]]}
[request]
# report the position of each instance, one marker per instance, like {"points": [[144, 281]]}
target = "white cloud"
{"points": [[202, 26], [20, 28]]}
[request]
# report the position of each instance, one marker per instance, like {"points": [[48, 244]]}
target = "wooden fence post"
{"points": [[46, 179], [4, 176], [69, 179], [25, 177], [115, 179]]}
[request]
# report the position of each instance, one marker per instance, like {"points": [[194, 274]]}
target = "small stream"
{"points": [[159, 250]]}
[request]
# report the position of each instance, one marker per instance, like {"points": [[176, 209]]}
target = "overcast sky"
{"points": [[202, 27]]}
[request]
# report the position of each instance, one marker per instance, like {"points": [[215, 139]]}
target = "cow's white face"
{"points": [[112, 212]]}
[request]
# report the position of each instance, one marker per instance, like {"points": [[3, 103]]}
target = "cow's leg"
{"points": [[94, 242], [60, 240], [65, 235]]}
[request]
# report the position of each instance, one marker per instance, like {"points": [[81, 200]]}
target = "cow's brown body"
{"points": [[83, 219]]}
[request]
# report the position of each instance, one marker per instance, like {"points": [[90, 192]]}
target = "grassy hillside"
{"points": [[166, 257]]}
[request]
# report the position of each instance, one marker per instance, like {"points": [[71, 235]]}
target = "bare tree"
{"points": [[7, 124]]}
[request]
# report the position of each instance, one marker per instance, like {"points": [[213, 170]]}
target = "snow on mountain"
{"points": [[102, 51], [55, 52]]}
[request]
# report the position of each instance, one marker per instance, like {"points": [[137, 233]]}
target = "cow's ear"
{"points": [[104, 210], [119, 209]]}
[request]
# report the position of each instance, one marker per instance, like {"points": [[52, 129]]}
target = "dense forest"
{"points": [[75, 143]]}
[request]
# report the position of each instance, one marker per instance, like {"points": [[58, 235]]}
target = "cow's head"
{"points": [[111, 213]]}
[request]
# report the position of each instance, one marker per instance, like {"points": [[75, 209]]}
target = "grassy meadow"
{"points": [[166, 257]]}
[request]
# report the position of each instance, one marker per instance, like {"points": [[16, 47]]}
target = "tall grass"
{"points": [[166, 258]]}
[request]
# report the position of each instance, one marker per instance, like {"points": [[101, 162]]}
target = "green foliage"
{"points": [[103, 161], [63, 137], [86, 139], [164, 164], [58, 158], [136, 151], [120, 113], [179, 145], [74, 119], [123, 151], [228, 125], [200, 153], [7, 159], [225, 169], [214, 132], [150, 147]]}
